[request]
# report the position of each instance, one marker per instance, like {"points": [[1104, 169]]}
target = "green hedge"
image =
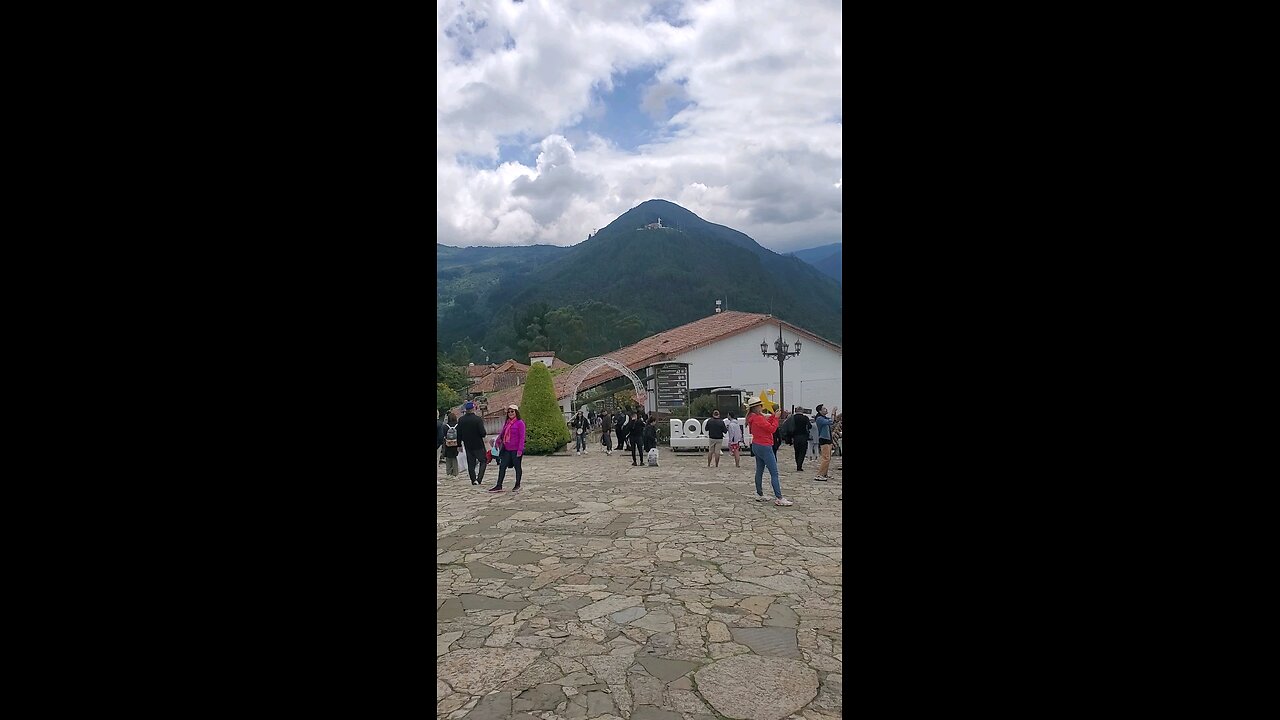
{"points": [[545, 429]]}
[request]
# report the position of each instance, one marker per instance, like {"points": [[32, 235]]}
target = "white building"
{"points": [[723, 351], [545, 357]]}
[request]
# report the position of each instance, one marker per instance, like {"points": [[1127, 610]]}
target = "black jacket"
{"points": [[635, 428], [799, 429], [439, 433], [716, 429], [651, 433], [471, 430]]}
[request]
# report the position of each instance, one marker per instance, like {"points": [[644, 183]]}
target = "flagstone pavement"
{"points": [[603, 590]]}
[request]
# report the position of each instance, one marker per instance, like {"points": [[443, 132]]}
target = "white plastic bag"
{"points": [[653, 457]]}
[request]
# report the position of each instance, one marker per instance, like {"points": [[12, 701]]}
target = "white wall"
{"points": [[812, 377]]}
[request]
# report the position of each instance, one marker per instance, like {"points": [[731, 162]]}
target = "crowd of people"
{"points": [[465, 436], [636, 432], [814, 436]]}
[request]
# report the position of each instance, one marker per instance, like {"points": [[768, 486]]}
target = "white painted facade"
{"points": [[812, 377]]}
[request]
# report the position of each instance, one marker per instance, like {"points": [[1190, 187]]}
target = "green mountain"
{"points": [[827, 258], [622, 284], [467, 279]]}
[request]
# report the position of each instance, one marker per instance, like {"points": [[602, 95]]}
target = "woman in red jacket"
{"points": [[510, 447], [762, 429]]}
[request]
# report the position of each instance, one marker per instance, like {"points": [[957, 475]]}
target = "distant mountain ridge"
{"points": [[827, 258], [623, 283]]}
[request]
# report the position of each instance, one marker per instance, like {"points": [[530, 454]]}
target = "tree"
{"points": [[545, 430], [564, 331], [462, 351], [702, 406], [450, 383], [446, 397], [449, 374]]}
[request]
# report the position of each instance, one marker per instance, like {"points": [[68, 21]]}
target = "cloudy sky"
{"points": [[553, 117]]}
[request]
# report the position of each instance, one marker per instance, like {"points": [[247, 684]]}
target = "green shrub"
{"points": [[545, 430], [702, 407]]}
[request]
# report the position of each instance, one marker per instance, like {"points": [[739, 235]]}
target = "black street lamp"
{"points": [[782, 354]]}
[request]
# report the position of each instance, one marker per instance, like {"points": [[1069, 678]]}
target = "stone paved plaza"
{"points": [[603, 590]]}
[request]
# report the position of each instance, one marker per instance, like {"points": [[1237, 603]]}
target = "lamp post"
{"points": [[782, 353]]}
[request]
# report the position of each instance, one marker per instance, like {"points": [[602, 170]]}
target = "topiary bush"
{"points": [[545, 430]]}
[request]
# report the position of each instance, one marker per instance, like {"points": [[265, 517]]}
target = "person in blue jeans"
{"points": [[763, 428], [580, 427]]}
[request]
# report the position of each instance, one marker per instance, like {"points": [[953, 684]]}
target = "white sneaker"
{"points": [[783, 501], [761, 498]]}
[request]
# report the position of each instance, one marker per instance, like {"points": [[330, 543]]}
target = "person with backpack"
{"points": [[581, 426], [471, 433], [799, 436], [451, 446], [439, 438]]}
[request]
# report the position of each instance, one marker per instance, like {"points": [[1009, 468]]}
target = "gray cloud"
{"points": [[755, 148]]}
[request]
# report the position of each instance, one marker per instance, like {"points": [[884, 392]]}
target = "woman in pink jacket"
{"points": [[510, 448]]}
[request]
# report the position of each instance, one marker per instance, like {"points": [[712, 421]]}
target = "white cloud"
{"points": [[757, 147]]}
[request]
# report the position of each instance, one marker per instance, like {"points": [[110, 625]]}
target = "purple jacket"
{"points": [[512, 436]]}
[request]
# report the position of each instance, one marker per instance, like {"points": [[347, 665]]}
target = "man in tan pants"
{"points": [[715, 437], [824, 423]]}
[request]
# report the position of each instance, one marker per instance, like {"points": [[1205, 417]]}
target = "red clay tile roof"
{"points": [[506, 375], [698, 333], [487, 384], [475, 371], [558, 363]]}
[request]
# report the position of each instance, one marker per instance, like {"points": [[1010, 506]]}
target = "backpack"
{"points": [[652, 457], [451, 436], [787, 429]]}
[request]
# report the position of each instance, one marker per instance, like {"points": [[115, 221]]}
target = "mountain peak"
{"points": [[650, 210]]}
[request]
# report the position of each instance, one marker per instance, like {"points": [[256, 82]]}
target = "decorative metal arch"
{"points": [[588, 367]]}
